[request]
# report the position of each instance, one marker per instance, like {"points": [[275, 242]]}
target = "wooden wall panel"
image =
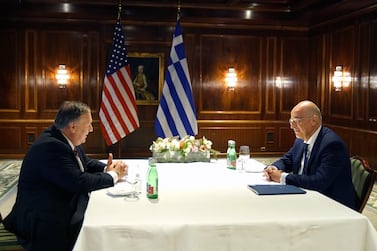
{"points": [[244, 54], [286, 137], [342, 53], [11, 138], [255, 113], [317, 64], [243, 135], [10, 89], [360, 83], [262, 136], [94, 142], [31, 78], [92, 73], [138, 142], [295, 69], [55, 46], [372, 74], [272, 71], [359, 142]]}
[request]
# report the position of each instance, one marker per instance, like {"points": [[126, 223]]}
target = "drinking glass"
{"points": [[244, 155], [134, 183]]}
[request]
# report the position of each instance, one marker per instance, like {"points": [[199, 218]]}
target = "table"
{"points": [[205, 206]]}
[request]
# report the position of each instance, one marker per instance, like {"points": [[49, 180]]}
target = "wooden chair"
{"points": [[363, 178], [8, 241]]}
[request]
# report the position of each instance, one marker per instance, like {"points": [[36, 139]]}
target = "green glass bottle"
{"points": [[231, 155], [152, 180]]}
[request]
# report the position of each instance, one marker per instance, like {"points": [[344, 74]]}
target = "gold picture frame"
{"points": [[149, 81]]}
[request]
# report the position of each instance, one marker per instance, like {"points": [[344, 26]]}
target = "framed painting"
{"points": [[147, 76]]}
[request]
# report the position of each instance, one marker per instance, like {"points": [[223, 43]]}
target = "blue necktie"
{"points": [[306, 158]]}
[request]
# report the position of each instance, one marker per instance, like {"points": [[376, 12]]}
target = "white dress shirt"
{"points": [[310, 143]]}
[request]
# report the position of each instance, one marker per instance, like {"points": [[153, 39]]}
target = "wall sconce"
{"points": [[278, 82], [341, 79], [231, 79], [62, 76]]}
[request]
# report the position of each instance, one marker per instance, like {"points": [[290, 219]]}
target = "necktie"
{"points": [[306, 158], [78, 159]]}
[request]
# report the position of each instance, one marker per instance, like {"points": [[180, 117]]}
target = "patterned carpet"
{"points": [[9, 171], [372, 201], [370, 209]]}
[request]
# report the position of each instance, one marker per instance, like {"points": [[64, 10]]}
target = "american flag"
{"points": [[176, 114], [118, 112]]}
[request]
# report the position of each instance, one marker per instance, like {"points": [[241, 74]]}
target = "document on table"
{"points": [[254, 166], [275, 189]]}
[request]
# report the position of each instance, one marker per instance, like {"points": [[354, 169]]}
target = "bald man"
{"points": [[327, 167]]}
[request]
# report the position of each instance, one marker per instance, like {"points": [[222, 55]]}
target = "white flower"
{"points": [[184, 145]]}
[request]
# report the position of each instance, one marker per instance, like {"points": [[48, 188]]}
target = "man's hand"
{"points": [[272, 173], [117, 166], [121, 168], [109, 161]]}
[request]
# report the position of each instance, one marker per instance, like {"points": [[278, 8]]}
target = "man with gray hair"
{"points": [[55, 180]]}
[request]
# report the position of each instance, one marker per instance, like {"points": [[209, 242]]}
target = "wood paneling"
{"points": [[359, 142], [255, 113], [10, 100], [244, 54], [31, 79], [11, 137], [372, 73], [55, 46], [342, 53], [271, 71], [295, 69]]}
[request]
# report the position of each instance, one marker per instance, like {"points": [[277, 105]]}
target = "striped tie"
{"points": [[76, 153]]}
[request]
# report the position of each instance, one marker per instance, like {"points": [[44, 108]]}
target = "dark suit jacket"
{"points": [[328, 170], [52, 193]]}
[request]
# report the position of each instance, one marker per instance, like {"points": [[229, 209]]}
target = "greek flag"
{"points": [[176, 115]]}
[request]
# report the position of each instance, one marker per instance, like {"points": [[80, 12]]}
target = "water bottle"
{"points": [[231, 155], [152, 180]]}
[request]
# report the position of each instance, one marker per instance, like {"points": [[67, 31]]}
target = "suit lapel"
{"points": [[314, 150]]}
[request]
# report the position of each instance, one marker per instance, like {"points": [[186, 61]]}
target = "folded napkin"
{"points": [[253, 166], [121, 189]]}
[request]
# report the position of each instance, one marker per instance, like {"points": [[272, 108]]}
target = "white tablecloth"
{"points": [[205, 206]]}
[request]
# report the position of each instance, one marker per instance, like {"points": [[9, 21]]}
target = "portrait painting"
{"points": [[147, 76]]}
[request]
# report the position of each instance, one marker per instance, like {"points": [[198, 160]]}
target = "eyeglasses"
{"points": [[296, 120]]}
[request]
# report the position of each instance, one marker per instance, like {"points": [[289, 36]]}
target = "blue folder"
{"points": [[275, 189]]}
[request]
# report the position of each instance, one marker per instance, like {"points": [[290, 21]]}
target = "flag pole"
{"points": [[119, 8], [179, 10], [176, 114], [118, 112], [119, 12]]}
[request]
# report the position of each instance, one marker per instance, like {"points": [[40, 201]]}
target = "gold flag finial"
{"points": [[179, 10], [119, 8]]}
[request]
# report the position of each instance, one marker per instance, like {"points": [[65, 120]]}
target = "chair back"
{"points": [[363, 178]]}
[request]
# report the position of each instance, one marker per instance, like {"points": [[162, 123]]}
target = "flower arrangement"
{"points": [[186, 149]]}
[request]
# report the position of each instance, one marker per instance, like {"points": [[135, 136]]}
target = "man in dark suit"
{"points": [[55, 180], [324, 166]]}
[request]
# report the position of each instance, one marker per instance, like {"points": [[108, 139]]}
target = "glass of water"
{"points": [[244, 155]]}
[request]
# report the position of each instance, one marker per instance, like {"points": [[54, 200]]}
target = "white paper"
{"points": [[253, 166], [121, 189]]}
